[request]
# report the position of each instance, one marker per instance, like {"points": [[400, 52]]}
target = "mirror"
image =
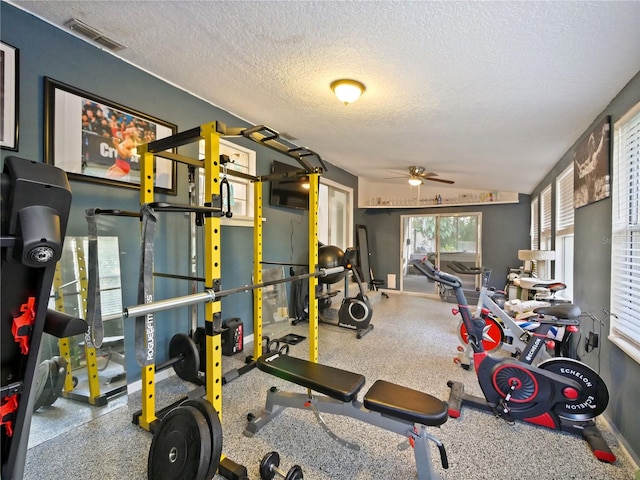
{"points": [[72, 379]]}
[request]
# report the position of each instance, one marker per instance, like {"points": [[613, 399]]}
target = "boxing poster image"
{"points": [[591, 177], [97, 140]]}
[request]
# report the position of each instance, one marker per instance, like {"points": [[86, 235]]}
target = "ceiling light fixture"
{"points": [[347, 91], [415, 181]]}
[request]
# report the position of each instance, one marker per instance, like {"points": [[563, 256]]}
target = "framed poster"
{"points": [[96, 140], [591, 159], [8, 97]]}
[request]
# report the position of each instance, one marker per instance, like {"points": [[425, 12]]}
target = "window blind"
{"points": [[625, 236], [545, 204], [564, 202], [535, 224]]}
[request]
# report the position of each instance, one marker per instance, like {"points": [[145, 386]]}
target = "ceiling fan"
{"points": [[417, 176]]}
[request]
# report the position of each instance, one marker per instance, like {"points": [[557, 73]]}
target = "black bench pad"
{"points": [[339, 384], [405, 403]]}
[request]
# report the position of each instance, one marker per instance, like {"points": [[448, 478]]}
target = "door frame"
{"points": [[437, 217]]}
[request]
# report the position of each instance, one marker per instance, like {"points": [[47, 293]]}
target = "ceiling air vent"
{"points": [[91, 33]]}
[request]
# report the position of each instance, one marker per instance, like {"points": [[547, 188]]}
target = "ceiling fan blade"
{"points": [[393, 178], [428, 174], [441, 180]]}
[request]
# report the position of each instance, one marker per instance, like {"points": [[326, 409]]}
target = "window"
{"points": [[543, 267], [564, 230], [335, 214], [243, 160], [535, 224], [625, 235]]}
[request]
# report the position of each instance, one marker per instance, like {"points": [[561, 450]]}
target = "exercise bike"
{"points": [[554, 323], [355, 312], [559, 393]]}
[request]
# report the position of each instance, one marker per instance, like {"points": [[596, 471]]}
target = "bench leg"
{"points": [[279, 400], [422, 454], [271, 410]]}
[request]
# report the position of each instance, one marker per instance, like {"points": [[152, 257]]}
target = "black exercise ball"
{"points": [[330, 256]]}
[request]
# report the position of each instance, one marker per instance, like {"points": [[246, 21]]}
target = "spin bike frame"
{"points": [[520, 338]]}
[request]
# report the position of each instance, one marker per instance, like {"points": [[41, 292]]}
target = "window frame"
{"points": [[564, 230], [229, 148], [624, 329], [349, 221]]}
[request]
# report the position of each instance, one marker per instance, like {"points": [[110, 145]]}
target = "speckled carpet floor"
{"points": [[412, 344]]}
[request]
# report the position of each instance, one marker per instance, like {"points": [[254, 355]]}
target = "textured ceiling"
{"points": [[489, 94]]}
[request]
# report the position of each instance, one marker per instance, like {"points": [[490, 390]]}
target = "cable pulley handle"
{"points": [[226, 186]]}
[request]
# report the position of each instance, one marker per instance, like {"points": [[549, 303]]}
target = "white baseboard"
{"points": [[623, 443]]}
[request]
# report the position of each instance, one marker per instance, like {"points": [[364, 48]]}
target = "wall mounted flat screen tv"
{"points": [[288, 192]]}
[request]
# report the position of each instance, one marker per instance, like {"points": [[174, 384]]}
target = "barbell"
{"points": [[211, 295]]}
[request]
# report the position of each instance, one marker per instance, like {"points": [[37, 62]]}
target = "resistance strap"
{"points": [[95, 332], [144, 327]]}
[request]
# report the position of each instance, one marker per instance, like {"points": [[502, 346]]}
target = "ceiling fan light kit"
{"points": [[417, 176]]}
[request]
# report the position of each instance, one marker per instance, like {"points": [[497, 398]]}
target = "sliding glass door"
{"points": [[451, 242]]}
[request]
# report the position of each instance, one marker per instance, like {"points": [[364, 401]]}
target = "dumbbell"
{"points": [[269, 468]]}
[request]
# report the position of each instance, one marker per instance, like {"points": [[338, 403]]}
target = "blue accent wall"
{"points": [[46, 51]]}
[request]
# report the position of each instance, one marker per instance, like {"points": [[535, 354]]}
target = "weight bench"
{"points": [[389, 406]]}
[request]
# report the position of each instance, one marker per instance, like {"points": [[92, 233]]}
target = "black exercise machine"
{"points": [[355, 313], [392, 407], [36, 199], [560, 393]]}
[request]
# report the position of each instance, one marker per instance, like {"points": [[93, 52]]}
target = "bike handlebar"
{"points": [[432, 273]]}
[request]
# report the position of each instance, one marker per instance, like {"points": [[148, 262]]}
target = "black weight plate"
{"points": [[42, 380], [594, 397], [215, 430], [294, 473], [271, 459], [182, 346], [200, 337], [181, 446]]}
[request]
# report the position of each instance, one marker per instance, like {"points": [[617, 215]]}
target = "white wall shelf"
{"points": [[393, 195]]}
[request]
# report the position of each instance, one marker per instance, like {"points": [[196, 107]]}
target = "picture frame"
{"points": [[591, 166], [8, 97], [95, 140]]}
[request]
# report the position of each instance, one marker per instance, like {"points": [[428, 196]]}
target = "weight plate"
{"points": [[183, 347], [594, 396], [200, 337], [294, 473], [271, 459], [42, 379], [181, 446], [215, 431]]}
